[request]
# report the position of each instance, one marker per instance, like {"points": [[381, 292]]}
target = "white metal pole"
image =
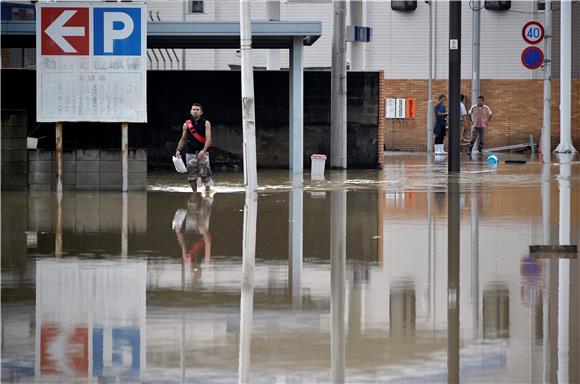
{"points": [[183, 51], [248, 107], [273, 56], [565, 145], [547, 131], [475, 49], [356, 47], [338, 88], [475, 57], [430, 95]]}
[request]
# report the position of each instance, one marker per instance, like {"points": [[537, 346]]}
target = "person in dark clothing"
{"points": [[440, 128], [196, 139]]}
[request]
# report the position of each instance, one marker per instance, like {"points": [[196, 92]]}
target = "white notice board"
{"points": [[91, 62], [400, 112], [390, 108]]}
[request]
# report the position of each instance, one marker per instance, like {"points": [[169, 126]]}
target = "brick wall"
{"points": [[382, 120], [517, 106]]}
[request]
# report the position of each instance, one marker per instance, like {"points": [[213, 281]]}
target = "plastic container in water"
{"points": [[492, 160], [317, 169], [31, 142]]}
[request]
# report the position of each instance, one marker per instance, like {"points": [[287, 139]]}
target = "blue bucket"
{"points": [[492, 160]]}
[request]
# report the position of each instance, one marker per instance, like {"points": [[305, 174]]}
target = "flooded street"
{"points": [[350, 281]]}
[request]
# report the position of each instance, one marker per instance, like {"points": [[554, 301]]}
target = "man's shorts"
{"points": [[198, 168]]}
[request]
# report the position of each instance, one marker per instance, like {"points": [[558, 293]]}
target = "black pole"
{"points": [[453, 326], [454, 83]]}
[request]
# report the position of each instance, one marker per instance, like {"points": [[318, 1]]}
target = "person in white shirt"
{"points": [[462, 119], [480, 114]]}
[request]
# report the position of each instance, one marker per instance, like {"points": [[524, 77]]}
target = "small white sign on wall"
{"points": [[390, 108], [400, 112]]}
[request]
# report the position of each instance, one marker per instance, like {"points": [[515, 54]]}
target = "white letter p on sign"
{"points": [[111, 34]]}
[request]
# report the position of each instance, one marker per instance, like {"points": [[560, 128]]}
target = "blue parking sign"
{"points": [[117, 31]]}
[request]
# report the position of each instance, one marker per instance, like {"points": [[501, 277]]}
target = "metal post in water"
{"points": [[125, 155], [338, 87], [454, 83], [248, 107], [58, 157]]}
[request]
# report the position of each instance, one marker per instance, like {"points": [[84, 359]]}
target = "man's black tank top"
{"points": [[194, 145]]}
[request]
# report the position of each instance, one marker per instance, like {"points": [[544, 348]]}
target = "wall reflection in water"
{"points": [[367, 284]]}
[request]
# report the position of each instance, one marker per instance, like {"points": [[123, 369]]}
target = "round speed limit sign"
{"points": [[533, 32]]}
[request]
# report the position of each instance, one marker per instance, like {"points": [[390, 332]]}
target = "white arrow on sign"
{"points": [[56, 31]]}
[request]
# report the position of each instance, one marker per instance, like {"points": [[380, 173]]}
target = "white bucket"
{"points": [[317, 169], [31, 142]]}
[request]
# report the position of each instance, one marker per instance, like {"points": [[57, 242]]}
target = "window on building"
{"points": [[196, 7], [404, 6], [541, 5], [497, 5]]}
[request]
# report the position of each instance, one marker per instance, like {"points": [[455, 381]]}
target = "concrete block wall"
{"points": [[14, 153], [87, 169], [517, 106]]}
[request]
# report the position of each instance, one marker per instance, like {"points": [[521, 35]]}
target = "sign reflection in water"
{"points": [[90, 318]]}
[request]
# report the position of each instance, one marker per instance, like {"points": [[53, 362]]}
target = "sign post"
{"points": [[532, 57], [91, 66], [532, 33]]}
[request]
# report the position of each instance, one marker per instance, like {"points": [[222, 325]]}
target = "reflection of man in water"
{"points": [[195, 238]]}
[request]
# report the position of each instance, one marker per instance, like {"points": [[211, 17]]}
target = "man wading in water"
{"points": [[196, 139]]}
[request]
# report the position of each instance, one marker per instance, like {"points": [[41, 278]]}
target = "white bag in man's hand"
{"points": [[179, 165]]}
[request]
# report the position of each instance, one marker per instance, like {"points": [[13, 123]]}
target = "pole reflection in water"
{"points": [[337, 281], [475, 261], [453, 221], [58, 230], [564, 272], [295, 239], [247, 286], [125, 226], [546, 209]]}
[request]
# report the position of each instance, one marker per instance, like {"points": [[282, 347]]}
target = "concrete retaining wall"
{"points": [[14, 156], [87, 169]]}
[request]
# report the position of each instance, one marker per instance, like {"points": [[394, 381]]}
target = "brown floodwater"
{"points": [[403, 274]]}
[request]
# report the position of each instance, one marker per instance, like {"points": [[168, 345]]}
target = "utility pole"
{"points": [[338, 87], [248, 107], [454, 83], [547, 131], [475, 48], [565, 145], [430, 95]]}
